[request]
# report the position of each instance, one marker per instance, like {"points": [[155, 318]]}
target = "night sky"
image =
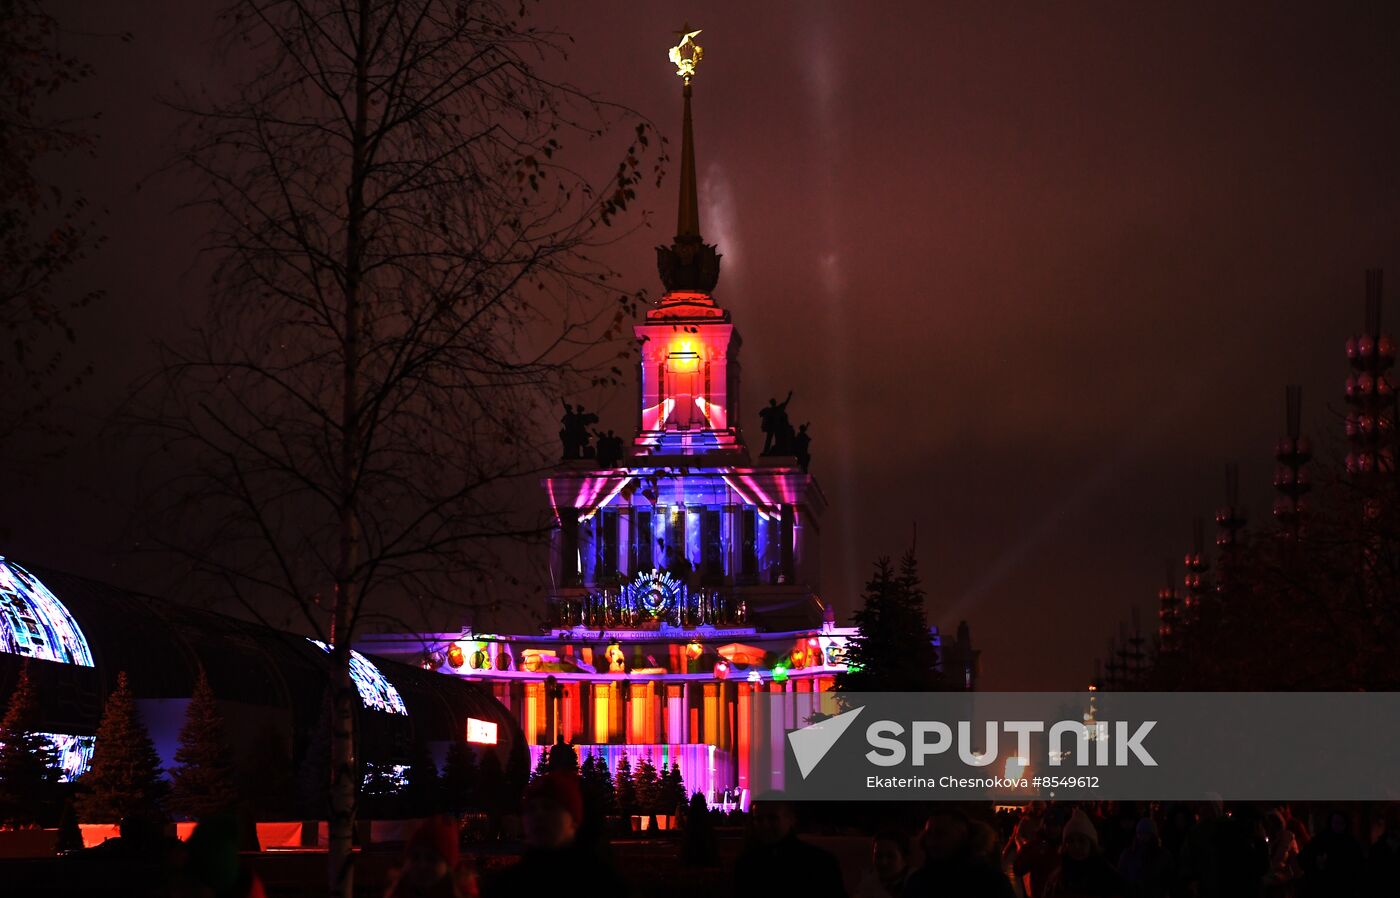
{"points": [[1033, 273]]}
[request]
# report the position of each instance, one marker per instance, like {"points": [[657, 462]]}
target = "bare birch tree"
{"points": [[405, 285]]}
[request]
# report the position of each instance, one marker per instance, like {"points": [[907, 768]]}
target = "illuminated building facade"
{"points": [[686, 571]]}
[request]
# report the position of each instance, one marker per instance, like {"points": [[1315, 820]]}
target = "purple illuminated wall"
{"points": [[704, 768]]}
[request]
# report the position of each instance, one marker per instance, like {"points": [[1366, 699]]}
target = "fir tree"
{"points": [[597, 786], [517, 774], [124, 779], [459, 778], [202, 780], [672, 789], [625, 788], [495, 795], [648, 787], [313, 786], [892, 651], [28, 764], [266, 778], [541, 766], [422, 791]]}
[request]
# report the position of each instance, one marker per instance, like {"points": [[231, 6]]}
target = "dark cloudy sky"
{"points": [[1034, 272]]}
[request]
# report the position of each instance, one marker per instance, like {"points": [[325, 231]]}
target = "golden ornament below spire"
{"points": [[687, 54]]}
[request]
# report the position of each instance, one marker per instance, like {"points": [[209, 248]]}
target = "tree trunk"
{"points": [[344, 788]]}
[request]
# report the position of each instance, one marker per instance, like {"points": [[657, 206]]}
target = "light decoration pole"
{"points": [[1370, 424], [1290, 474], [1230, 521], [1169, 612], [1196, 581]]}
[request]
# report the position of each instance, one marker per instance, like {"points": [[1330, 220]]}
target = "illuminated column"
{"points": [[567, 557], [625, 541], [733, 542], [789, 526], [656, 711], [687, 727], [1290, 475], [675, 714], [619, 696], [711, 713], [743, 723], [602, 712]]}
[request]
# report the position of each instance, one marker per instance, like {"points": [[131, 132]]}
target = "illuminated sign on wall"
{"points": [[482, 732]]}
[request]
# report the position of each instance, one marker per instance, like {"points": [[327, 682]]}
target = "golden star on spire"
{"points": [[686, 54]]}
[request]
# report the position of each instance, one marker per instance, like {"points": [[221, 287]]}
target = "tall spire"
{"points": [[686, 55], [688, 210], [688, 265]]}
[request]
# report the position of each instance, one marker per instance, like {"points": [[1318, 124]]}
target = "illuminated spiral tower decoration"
{"points": [[1229, 521], [1197, 579], [1168, 613], [1370, 422], [1290, 473]]}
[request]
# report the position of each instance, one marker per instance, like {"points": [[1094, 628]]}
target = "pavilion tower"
{"points": [[689, 384], [687, 526]]}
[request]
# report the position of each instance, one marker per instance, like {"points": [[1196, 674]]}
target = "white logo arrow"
{"points": [[811, 743]]}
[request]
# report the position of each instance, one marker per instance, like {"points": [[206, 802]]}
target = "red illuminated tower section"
{"points": [[690, 365]]}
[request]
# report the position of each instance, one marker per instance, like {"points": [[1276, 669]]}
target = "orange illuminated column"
{"points": [[568, 712], [637, 715], [712, 713], [656, 712], [602, 711], [534, 713]]}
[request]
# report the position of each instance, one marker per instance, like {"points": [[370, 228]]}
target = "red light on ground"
{"points": [[482, 732]]}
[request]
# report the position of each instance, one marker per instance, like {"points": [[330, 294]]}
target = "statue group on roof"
{"points": [[779, 438]]}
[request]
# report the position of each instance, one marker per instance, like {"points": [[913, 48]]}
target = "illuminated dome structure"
{"points": [[685, 564], [34, 623], [77, 635]]}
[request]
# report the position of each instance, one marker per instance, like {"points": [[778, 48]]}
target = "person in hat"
{"points": [[433, 866], [556, 861], [1083, 871], [1145, 865]]}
